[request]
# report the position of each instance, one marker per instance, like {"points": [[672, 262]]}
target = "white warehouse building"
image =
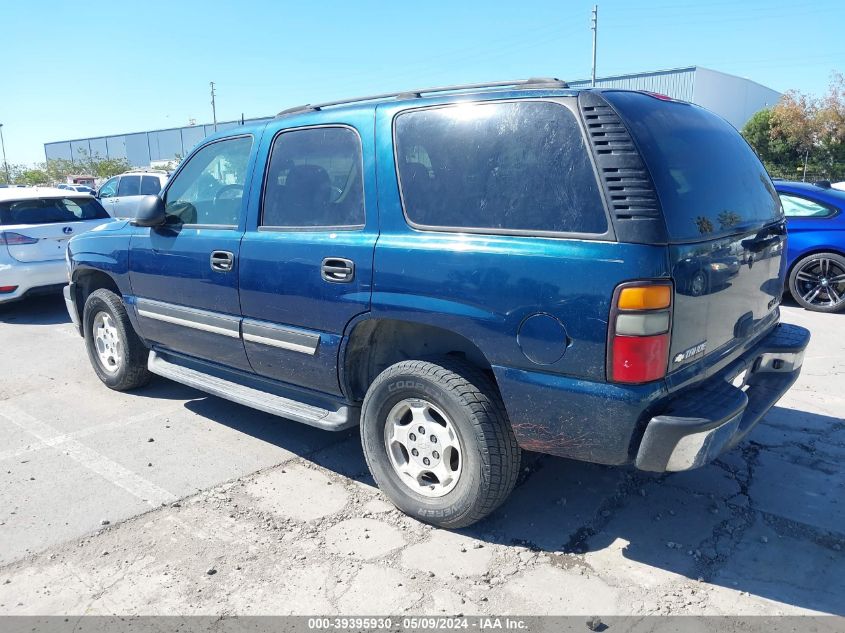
{"points": [[734, 98]]}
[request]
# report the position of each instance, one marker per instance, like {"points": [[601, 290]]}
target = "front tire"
{"points": [[116, 352], [438, 442], [817, 282]]}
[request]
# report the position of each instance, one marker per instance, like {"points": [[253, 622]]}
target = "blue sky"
{"points": [[78, 69]]}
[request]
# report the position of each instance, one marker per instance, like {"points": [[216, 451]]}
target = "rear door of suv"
{"points": [[724, 224], [184, 275], [306, 257]]}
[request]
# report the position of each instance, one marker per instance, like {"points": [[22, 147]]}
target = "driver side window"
{"points": [[108, 189], [209, 188]]}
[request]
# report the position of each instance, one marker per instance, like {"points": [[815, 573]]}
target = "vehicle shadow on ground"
{"points": [[721, 523], [792, 303], [44, 310], [300, 439]]}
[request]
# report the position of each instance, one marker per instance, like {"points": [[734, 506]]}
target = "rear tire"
{"points": [[817, 280], [116, 352], [464, 419]]}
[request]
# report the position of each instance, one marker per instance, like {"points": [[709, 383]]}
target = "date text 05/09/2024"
{"points": [[480, 623]]}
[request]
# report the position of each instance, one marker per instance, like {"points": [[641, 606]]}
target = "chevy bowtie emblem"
{"points": [[67, 230]]}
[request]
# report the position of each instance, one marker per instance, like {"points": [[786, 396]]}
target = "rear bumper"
{"points": [[714, 416], [31, 277], [616, 424]]}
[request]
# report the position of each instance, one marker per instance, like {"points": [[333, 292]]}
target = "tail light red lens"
{"points": [[4, 290], [639, 332], [11, 238], [640, 358]]}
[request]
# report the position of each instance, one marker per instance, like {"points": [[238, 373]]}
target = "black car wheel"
{"points": [[817, 282]]}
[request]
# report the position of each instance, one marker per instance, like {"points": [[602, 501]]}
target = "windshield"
{"points": [[50, 210]]}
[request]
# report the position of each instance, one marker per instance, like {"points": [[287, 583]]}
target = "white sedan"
{"points": [[35, 226]]}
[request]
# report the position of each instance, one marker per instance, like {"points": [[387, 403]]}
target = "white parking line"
{"points": [[57, 440], [109, 470]]}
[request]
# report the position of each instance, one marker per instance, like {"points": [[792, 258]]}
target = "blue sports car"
{"points": [[815, 217]]}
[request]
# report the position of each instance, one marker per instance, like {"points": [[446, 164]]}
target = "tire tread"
{"points": [[476, 391], [135, 373]]}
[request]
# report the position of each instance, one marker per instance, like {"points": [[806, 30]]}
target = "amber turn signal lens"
{"points": [[645, 298]]}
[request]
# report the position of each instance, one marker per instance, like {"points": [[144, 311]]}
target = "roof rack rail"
{"points": [[531, 83]]}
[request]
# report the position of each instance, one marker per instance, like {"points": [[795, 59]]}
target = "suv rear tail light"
{"points": [[4, 290], [16, 239], [639, 332]]}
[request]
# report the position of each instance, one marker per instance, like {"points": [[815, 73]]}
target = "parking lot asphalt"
{"points": [[168, 501]]}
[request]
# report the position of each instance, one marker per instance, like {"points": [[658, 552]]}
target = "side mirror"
{"points": [[150, 212]]}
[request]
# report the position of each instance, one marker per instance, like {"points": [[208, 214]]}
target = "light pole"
{"points": [[594, 27], [5, 164], [213, 105]]}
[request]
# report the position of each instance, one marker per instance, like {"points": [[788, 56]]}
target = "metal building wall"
{"points": [[678, 83], [141, 148], [733, 98]]}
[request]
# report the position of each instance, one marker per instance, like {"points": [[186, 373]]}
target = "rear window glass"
{"points": [[709, 181], [49, 210], [150, 185], [800, 207], [497, 166], [129, 186]]}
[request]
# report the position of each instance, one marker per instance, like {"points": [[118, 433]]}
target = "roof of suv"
{"points": [[535, 87], [30, 193], [416, 95], [146, 172]]}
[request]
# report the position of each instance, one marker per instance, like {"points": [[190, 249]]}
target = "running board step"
{"points": [[341, 418]]}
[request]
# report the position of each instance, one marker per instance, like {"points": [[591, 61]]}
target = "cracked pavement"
{"points": [[168, 501]]}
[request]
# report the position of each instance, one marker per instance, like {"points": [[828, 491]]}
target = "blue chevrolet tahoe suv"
{"points": [[466, 272]]}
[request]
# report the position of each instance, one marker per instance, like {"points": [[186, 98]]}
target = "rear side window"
{"points": [[314, 179], [709, 181], [150, 185], [49, 210], [497, 167], [800, 207], [129, 186]]}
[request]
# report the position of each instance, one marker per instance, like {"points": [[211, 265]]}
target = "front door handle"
{"points": [[222, 261], [338, 270]]}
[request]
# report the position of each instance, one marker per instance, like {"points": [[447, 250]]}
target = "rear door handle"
{"points": [[222, 261], [337, 270]]}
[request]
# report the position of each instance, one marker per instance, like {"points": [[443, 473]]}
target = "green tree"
{"points": [[32, 177], [830, 124], [95, 165], [802, 134], [778, 155]]}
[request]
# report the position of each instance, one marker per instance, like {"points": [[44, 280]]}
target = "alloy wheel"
{"points": [[107, 342], [423, 447], [821, 282]]}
